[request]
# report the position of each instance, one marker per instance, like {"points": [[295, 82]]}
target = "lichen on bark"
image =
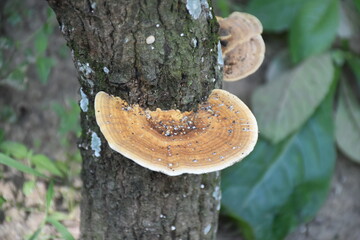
{"points": [[122, 200]]}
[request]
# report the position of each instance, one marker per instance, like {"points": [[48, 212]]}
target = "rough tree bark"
{"points": [[120, 199]]}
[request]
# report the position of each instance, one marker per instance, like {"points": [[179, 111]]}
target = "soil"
{"points": [[36, 125]]}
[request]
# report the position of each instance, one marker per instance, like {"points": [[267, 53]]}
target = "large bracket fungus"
{"points": [[243, 48], [221, 132]]}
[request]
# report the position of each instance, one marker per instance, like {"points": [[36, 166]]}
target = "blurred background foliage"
{"points": [[26, 62], [307, 107]]}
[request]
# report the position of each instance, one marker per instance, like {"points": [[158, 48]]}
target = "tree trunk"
{"points": [[120, 199]]}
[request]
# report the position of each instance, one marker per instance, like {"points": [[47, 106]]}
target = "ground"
{"points": [[36, 125]]}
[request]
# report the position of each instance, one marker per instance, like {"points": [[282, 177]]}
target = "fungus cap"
{"points": [[223, 131], [243, 48]]}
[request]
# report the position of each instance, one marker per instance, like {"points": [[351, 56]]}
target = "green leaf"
{"points": [[28, 187], [17, 78], [36, 234], [63, 167], [7, 114], [275, 15], [43, 68], [18, 165], [2, 136], [14, 149], [279, 64], [66, 235], [347, 120], [280, 186], [357, 4], [282, 105], [59, 216], [338, 56], [314, 28], [354, 62], [48, 27], [49, 196], [50, 13], [69, 120], [2, 201], [44, 164], [40, 42], [224, 7]]}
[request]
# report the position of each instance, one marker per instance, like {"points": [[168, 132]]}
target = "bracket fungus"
{"points": [[221, 132], [243, 48]]}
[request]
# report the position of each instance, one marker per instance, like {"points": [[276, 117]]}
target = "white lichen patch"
{"points": [[220, 58], [84, 68], [84, 102], [95, 144], [205, 4], [207, 229], [106, 70], [173, 228], [217, 196], [194, 42], [194, 8], [91, 85], [93, 5], [62, 28]]}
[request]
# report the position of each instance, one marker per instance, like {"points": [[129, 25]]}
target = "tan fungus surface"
{"points": [[243, 48], [223, 131]]}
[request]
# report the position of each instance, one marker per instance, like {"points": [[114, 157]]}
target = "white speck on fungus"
{"points": [[95, 144], [207, 229], [84, 102], [106, 70], [150, 39]]}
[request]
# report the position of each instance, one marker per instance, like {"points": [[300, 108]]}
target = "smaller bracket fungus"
{"points": [[221, 132], [243, 48]]}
